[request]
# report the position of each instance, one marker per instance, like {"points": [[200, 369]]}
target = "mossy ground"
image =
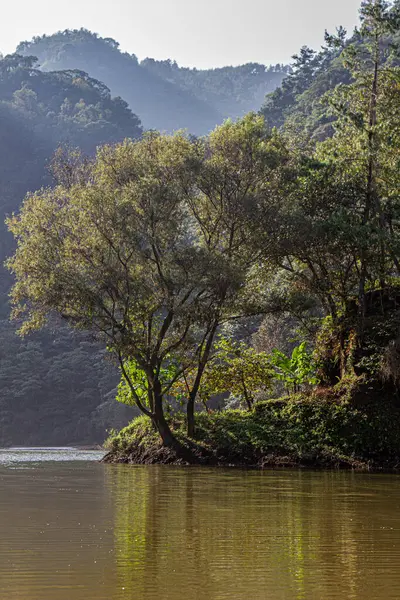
{"points": [[325, 429]]}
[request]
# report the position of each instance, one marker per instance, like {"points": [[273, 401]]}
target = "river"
{"points": [[74, 529]]}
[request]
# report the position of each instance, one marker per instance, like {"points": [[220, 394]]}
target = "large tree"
{"points": [[151, 247]]}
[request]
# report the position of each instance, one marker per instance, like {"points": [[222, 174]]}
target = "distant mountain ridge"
{"points": [[164, 95]]}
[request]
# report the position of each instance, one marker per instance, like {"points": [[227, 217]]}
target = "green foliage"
{"points": [[150, 247], [235, 369], [160, 245], [299, 103], [306, 430], [342, 224], [140, 383], [56, 388], [63, 392], [295, 370], [139, 431], [64, 106], [138, 378]]}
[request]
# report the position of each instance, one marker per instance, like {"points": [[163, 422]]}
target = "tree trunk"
{"points": [[193, 393], [156, 414], [168, 438], [190, 416], [371, 197], [246, 395], [159, 419]]}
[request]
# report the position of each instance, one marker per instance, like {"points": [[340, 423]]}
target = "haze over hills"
{"points": [[165, 96]]}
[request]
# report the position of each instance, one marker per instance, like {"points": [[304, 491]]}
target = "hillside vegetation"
{"points": [[259, 261], [299, 102], [55, 388]]}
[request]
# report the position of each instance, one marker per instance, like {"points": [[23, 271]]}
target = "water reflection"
{"points": [[215, 534], [85, 531]]}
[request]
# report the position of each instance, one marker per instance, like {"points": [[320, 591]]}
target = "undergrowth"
{"points": [[322, 429]]}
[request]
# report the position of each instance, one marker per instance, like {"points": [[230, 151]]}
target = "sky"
{"points": [[195, 33]]}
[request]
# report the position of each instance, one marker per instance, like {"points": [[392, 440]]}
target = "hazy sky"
{"points": [[201, 33]]}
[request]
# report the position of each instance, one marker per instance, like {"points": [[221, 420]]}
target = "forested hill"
{"points": [[164, 95], [299, 101], [51, 385], [38, 112], [233, 91]]}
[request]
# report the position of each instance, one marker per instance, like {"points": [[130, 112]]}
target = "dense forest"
{"points": [[164, 95], [183, 255], [233, 91]]}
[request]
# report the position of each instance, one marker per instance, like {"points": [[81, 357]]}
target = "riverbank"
{"points": [[321, 430]]}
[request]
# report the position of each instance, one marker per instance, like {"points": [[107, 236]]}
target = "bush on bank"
{"points": [[324, 429]]}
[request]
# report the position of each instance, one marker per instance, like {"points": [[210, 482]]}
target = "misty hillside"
{"points": [[233, 91], [38, 112], [51, 385], [164, 95]]}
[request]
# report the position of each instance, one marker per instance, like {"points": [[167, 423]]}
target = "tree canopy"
{"points": [[299, 101], [153, 249]]}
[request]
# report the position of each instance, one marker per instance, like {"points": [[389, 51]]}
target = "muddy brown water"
{"points": [[73, 529]]}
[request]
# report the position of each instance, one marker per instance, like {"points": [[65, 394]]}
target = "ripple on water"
{"points": [[86, 531], [25, 458]]}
